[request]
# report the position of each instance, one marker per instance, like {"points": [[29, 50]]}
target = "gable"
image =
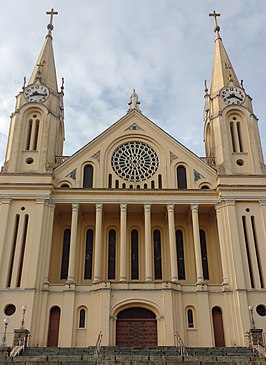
{"points": [[134, 153]]}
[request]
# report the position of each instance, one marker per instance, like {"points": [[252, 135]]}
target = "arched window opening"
{"points": [[123, 186], [111, 254], [157, 255], [160, 183], [65, 186], [217, 320], [180, 254], [109, 180], [116, 184], [134, 255], [65, 254], [190, 319], [82, 317], [88, 255], [32, 132], [152, 184], [181, 177], [232, 136], [23, 245], [88, 176], [53, 330], [145, 186], [204, 256], [205, 187], [239, 136]]}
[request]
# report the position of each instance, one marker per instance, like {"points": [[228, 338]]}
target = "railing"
{"points": [[7, 339], [98, 345], [209, 160], [60, 159], [180, 345], [257, 341]]}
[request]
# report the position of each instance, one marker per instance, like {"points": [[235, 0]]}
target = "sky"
{"points": [[105, 48]]}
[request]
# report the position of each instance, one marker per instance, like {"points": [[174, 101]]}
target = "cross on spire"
{"points": [[50, 26], [216, 26]]}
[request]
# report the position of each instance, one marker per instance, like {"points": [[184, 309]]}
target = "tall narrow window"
{"points": [[181, 177], [109, 180], [134, 254], [29, 134], [160, 183], [244, 223], [190, 319], [13, 249], [180, 254], [88, 176], [88, 254], [239, 136], [111, 254], [65, 254], [257, 250], [157, 255], [204, 256], [23, 245], [32, 132], [82, 318], [232, 136]]}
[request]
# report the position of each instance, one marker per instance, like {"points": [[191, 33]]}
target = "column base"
{"points": [[148, 280], [96, 281], [123, 279]]}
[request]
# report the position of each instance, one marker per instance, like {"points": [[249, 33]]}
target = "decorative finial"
{"points": [[216, 26], [242, 84], [134, 101], [50, 26], [206, 87], [62, 85], [24, 83]]}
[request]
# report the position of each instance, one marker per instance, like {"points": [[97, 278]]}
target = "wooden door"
{"points": [[136, 327], [218, 328], [53, 331]]}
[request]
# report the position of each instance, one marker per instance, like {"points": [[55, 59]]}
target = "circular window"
{"points": [[135, 161], [261, 310], [240, 162], [29, 160], [9, 309]]}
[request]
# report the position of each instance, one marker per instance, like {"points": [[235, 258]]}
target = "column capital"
{"points": [[147, 206], [75, 206], [40, 200], [99, 206], [170, 207], [5, 200], [123, 206], [194, 207]]}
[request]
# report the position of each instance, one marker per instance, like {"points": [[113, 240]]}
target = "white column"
{"points": [[4, 214], [49, 234], [172, 242], [222, 243], [148, 251], [98, 244], [196, 236], [123, 242], [73, 243]]}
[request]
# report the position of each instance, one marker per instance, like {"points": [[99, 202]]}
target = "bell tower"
{"points": [[36, 133], [231, 132]]}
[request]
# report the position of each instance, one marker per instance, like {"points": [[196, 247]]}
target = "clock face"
{"points": [[232, 95], [36, 93]]}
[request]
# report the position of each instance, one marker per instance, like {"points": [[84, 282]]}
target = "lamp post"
{"points": [[6, 321], [24, 308], [250, 308]]}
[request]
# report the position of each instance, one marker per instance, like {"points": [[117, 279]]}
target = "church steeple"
{"points": [[222, 72], [44, 69], [36, 133]]}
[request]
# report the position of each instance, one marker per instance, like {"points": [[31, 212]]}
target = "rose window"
{"points": [[135, 161]]}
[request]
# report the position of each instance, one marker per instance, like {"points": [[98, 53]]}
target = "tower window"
{"points": [[181, 177], [134, 254], [157, 255], [180, 254], [111, 254], [32, 135], [65, 254], [204, 257], [88, 176], [88, 254], [190, 319], [82, 317]]}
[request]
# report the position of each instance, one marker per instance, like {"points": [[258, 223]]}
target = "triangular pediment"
{"points": [[156, 153]]}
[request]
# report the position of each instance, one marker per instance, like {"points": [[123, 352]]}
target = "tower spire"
{"points": [[222, 72], [44, 70]]}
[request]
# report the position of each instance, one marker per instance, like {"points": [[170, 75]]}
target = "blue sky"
{"points": [[104, 49]]}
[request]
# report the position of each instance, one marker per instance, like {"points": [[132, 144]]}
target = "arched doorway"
{"points": [[53, 331], [218, 329], [136, 327]]}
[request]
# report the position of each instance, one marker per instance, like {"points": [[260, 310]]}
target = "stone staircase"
{"points": [[132, 356]]}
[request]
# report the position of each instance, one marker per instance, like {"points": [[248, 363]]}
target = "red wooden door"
{"points": [[218, 328], [136, 327], [53, 331]]}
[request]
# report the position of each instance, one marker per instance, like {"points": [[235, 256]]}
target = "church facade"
{"points": [[133, 237]]}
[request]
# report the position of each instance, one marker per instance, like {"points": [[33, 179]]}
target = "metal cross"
{"points": [[214, 14], [51, 13]]}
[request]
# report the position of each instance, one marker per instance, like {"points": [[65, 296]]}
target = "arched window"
{"points": [[180, 254], [190, 319], [111, 254], [160, 183], [181, 177], [157, 255], [88, 176], [116, 184], [88, 254], [152, 184], [204, 256], [82, 318], [65, 254], [109, 180], [33, 132], [134, 254]]}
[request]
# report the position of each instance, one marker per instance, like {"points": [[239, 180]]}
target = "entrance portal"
{"points": [[218, 328], [136, 327], [53, 330]]}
